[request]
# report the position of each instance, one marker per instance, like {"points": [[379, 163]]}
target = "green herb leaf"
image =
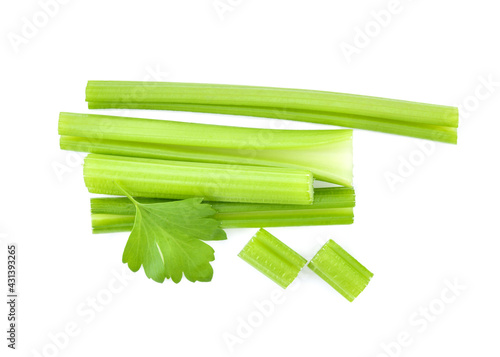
{"points": [[166, 240]]}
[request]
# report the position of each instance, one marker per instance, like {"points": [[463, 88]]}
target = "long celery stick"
{"points": [[248, 96], [273, 258], [109, 223], [421, 131], [215, 182], [326, 153], [427, 121], [340, 270], [333, 205]]}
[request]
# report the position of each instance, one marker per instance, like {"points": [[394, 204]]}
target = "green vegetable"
{"points": [[332, 205], [214, 182], [426, 121], [111, 223], [339, 269], [273, 258], [326, 153], [167, 240]]}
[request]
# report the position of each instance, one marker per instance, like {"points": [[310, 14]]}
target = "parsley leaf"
{"points": [[167, 240]]}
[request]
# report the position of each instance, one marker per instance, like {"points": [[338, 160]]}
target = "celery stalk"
{"points": [[332, 205], [427, 121], [340, 270], [215, 182], [326, 153], [273, 258], [111, 223], [421, 131]]}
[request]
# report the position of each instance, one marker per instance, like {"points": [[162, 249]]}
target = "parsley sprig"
{"points": [[167, 240]]}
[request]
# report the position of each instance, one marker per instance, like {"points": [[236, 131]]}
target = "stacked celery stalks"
{"points": [[252, 177], [246, 177]]}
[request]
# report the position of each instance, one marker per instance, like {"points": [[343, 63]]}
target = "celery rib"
{"points": [[273, 258], [420, 120], [421, 131], [340, 270], [326, 153], [215, 182], [333, 205], [111, 223]]}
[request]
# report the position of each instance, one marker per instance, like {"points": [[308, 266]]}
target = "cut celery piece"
{"points": [[326, 153], [339, 269], [426, 121], [273, 258], [214, 182], [332, 205]]}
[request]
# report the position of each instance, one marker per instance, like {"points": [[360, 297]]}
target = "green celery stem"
{"points": [[332, 205], [326, 153], [214, 182], [420, 120]]}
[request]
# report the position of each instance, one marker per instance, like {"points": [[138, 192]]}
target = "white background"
{"points": [[436, 227]]}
